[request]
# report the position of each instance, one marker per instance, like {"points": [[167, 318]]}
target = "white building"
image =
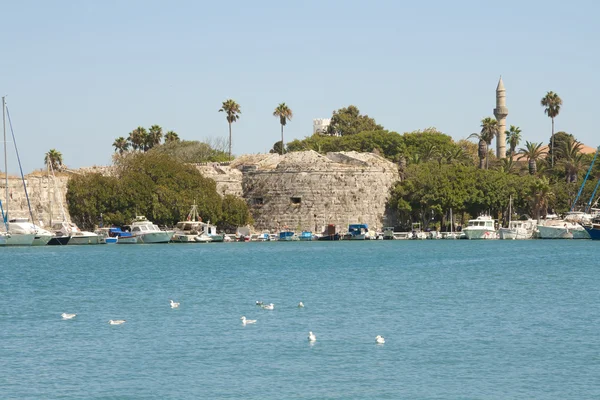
{"points": [[320, 125]]}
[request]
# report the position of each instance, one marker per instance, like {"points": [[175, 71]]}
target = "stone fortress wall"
{"points": [[299, 190]]}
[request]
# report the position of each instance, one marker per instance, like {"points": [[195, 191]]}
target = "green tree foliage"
{"points": [[151, 184], [278, 148], [284, 113], [532, 152], [53, 159], [235, 213], [513, 138], [349, 121], [121, 145], [191, 151], [432, 189], [551, 103], [232, 112], [171, 136], [560, 138]]}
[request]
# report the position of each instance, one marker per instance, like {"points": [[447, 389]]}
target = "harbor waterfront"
{"points": [[461, 319]]}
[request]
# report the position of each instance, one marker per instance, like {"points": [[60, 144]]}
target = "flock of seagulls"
{"points": [[311, 336]]}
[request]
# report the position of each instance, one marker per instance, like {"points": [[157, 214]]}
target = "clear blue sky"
{"points": [[78, 74]]}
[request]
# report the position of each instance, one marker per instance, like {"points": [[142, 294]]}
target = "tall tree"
{"points": [[53, 158], [155, 134], [349, 121], [513, 137], [171, 136], [489, 129], [532, 152], [232, 111], [284, 113], [571, 158], [137, 138], [552, 104], [121, 145]]}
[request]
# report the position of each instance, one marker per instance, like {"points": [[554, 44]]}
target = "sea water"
{"points": [[461, 320]]}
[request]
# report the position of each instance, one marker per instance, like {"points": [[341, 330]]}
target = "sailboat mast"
{"points": [[5, 158]]}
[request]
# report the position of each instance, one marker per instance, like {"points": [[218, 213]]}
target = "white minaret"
{"points": [[501, 112]]}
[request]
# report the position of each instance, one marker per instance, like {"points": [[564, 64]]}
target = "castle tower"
{"points": [[501, 112]]}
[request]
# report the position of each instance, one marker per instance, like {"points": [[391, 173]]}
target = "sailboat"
{"points": [[517, 229], [15, 234]]}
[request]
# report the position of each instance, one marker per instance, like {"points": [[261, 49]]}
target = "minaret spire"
{"points": [[501, 112]]}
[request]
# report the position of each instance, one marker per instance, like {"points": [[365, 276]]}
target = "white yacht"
{"points": [[16, 235], [518, 230], [77, 236], [22, 226], [147, 232], [480, 228], [567, 228]]}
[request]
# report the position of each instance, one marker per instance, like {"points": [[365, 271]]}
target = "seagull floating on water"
{"points": [[268, 306], [311, 337], [247, 321], [116, 321], [67, 316], [301, 304], [174, 304], [379, 339]]}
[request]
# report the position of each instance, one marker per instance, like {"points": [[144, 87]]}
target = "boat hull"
{"points": [[59, 241], [559, 232], [183, 238], [478, 234], [41, 240], [514, 234], [335, 236], [594, 232], [155, 237], [17, 239], [84, 239]]}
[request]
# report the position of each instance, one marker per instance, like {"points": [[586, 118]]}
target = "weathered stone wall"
{"points": [[300, 190], [228, 179], [44, 196], [306, 190]]}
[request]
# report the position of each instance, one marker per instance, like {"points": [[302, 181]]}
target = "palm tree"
{"points": [[232, 109], [171, 137], [571, 158], [121, 145], [429, 152], [489, 129], [513, 137], [137, 138], [154, 136], [552, 103], [532, 152], [285, 114], [53, 159], [540, 194]]}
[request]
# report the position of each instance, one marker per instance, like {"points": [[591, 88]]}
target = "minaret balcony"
{"points": [[500, 112]]}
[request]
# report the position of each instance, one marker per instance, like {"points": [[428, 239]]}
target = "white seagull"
{"points": [[311, 337], [174, 304], [247, 321], [116, 321], [379, 339], [268, 306], [67, 316], [300, 305]]}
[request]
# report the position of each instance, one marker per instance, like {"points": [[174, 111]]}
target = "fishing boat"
{"points": [[329, 234], [517, 230], [286, 236], [357, 232], [148, 233], [565, 228], [481, 227], [306, 236], [76, 235]]}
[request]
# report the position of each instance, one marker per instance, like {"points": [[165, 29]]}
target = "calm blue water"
{"points": [[462, 320]]}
